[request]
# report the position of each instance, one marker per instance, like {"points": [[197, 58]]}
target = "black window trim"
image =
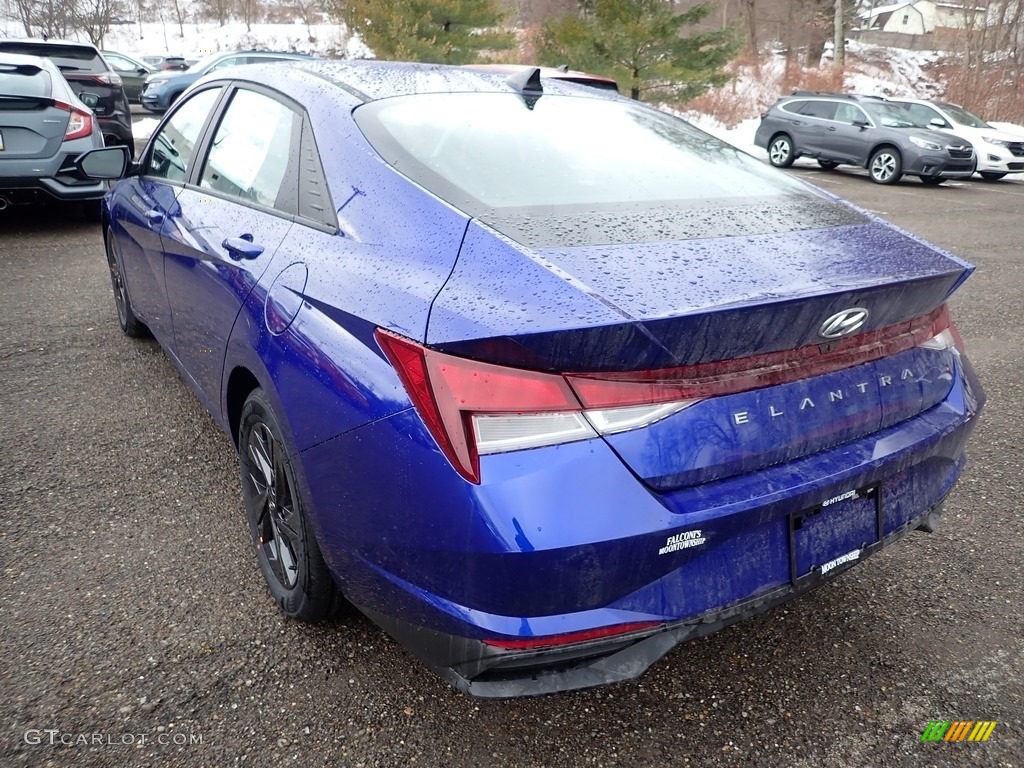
{"points": [[206, 134], [144, 159], [210, 130]]}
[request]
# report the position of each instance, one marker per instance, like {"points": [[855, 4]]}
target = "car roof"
{"points": [[370, 79], [53, 42], [20, 59]]}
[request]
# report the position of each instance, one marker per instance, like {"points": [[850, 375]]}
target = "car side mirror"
{"points": [[141, 71], [936, 122], [861, 123], [106, 163], [89, 99]]}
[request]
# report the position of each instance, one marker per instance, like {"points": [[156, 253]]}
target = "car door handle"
{"points": [[798, 122], [154, 217], [831, 128], [241, 247]]}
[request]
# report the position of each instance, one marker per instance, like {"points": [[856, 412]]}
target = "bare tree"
{"points": [[95, 17]]}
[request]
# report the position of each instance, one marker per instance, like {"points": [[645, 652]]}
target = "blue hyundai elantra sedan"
{"points": [[542, 380]]}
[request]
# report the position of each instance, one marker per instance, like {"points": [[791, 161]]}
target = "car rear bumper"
{"points": [[484, 671], [565, 540], [27, 181]]}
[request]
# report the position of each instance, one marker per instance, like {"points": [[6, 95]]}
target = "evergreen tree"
{"points": [[439, 31], [639, 43]]}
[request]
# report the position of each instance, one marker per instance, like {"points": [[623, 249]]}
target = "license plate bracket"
{"points": [[831, 536]]}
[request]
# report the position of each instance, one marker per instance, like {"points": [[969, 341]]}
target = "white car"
{"points": [[998, 151]]}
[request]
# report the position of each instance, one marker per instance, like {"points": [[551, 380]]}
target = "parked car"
{"points": [[163, 63], [866, 131], [86, 72], [541, 406], [999, 152], [163, 88], [133, 73], [552, 73], [44, 128]]}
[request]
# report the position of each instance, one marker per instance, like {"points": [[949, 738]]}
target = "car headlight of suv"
{"points": [[996, 142], [925, 144]]}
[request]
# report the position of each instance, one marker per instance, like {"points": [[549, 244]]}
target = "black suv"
{"points": [[86, 72], [868, 131]]}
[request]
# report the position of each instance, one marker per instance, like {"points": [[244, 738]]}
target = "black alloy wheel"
{"points": [[130, 324], [286, 547]]}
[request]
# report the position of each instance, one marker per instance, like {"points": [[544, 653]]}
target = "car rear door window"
{"points": [[850, 114], [826, 110], [172, 148], [251, 157], [120, 64]]}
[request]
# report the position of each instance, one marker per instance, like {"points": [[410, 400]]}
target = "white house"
{"points": [[919, 17]]}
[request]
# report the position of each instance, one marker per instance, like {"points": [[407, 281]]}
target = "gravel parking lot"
{"points": [[133, 617]]}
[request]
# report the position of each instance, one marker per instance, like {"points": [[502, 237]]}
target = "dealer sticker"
{"points": [[683, 540], [841, 560]]}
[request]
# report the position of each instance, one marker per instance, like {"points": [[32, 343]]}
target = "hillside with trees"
{"points": [[664, 51]]}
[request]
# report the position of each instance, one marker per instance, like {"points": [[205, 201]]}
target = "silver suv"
{"points": [[868, 131]]}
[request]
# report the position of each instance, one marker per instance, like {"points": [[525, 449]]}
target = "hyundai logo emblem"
{"points": [[843, 323]]}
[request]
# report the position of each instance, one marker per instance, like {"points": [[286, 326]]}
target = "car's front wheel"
{"points": [[286, 547], [780, 151], [991, 175], [886, 166], [130, 324]]}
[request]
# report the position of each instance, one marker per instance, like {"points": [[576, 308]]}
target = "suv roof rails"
{"points": [[834, 95]]}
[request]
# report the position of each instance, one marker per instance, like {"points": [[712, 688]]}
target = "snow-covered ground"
{"points": [[195, 40]]}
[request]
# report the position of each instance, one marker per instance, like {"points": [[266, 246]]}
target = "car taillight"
{"points": [[472, 408], [79, 123], [105, 78]]}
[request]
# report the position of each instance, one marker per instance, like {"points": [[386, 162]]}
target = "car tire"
{"points": [[991, 175], [286, 547], [130, 325], [828, 165], [780, 151], [886, 166]]}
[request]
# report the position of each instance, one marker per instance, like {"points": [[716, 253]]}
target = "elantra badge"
{"points": [[843, 323]]}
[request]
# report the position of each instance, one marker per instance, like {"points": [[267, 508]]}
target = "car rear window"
{"points": [[573, 170], [501, 151], [69, 58], [18, 83]]}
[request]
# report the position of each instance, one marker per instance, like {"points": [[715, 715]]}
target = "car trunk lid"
{"points": [[31, 127], [735, 329]]}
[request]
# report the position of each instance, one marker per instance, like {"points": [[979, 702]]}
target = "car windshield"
{"points": [[962, 116], [203, 63], [890, 115], [503, 151]]}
